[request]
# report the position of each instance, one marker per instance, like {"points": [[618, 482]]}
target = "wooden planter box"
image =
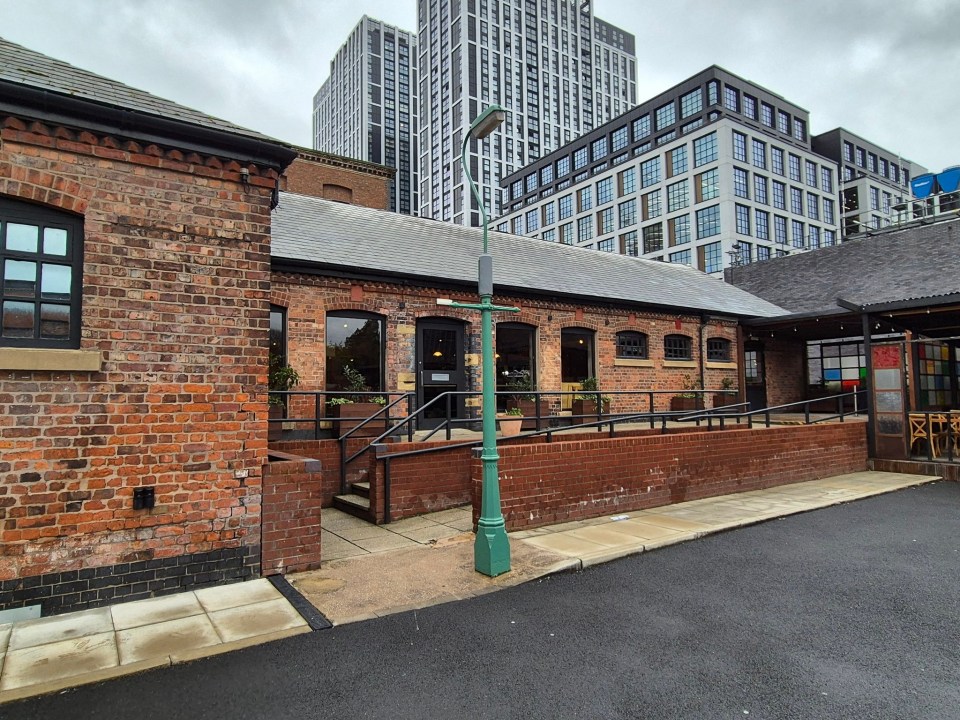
{"points": [[723, 399], [588, 408], [686, 404], [352, 414], [529, 410]]}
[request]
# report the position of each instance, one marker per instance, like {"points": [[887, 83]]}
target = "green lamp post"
{"points": [[491, 549]]}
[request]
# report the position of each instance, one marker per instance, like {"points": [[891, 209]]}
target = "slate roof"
{"points": [[21, 66], [913, 263], [355, 239]]}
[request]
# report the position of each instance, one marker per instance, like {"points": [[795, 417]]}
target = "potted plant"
{"points": [[280, 378], [728, 396], [585, 403], [352, 409], [525, 399], [511, 421], [689, 399]]}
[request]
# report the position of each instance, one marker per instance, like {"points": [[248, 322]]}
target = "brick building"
{"points": [[134, 242], [338, 178]]}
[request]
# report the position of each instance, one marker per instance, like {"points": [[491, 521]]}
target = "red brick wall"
{"points": [[550, 483], [176, 300], [786, 379], [292, 491], [339, 179], [424, 483], [309, 298]]}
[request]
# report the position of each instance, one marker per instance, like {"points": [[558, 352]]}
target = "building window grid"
{"points": [[761, 225], [759, 154], [742, 215], [628, 181], [760, 189], [628, 213], [741, 187], [678, 196], [718, 350], [650, 172], [708, 222], [776, 160], [632, 344], [678, 347], [604, 190], [796, 201], [705, 150], [739, 146], [691, 103]]}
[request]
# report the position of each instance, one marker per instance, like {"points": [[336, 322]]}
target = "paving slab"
{"points": [[155, 610], [385, 542], [77, 656], [362, 532], [235, 594], [432, 533], [5, 636], [248, 621], [42, 631], [162, 639]]}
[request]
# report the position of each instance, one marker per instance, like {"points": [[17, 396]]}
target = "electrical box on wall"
{"points": [[144, 498]]}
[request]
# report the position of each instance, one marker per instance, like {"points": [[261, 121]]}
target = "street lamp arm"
{"points": [[485, 124]]}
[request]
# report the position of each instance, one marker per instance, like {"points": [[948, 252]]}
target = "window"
{"points": [[760, 189], [691, 103], [814, 237], [762, 225], [810, 168], [740, 187], [580, 158], [550, 235], [628, 213], [829, 238], [766, 114], [799, 129], [650, 172], [779, 195], [779, 230], [776, 160], [828, 215], [677, 347], [679, 230], [708, 222], [826, 179], [620, 138], [628, 243], [750, 106], [783, 122], [606, 245], [813, 206], [549, 213], [605, 221], [796, 201], [763, 253], [533, 220], [718, 350], [598, 149], [584, 228], [604, 191], [708, 185], [628, 181], [677, 161], [566, 206], [874, 198], [650, 205], [632, 345], [355, 350], [678, 196], [666, 116], [563, 166], [546, 175], [516, 189], [641, 128], [710, 256], [794, 168], [566, 234], [41, 264], [743, 219], [681, 257], [278, 337], [584, 199], [517, 224], [847, 151], [531, 182], [739, 146], [653, 238], [713, 92], [731, 98], [796, 233], [705, 150]]}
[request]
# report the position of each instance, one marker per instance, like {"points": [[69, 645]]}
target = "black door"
{"points": [[755, 375], [440, 369]]}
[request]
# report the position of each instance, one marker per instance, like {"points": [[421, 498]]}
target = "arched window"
{"points": [[718, 350], [677, 347], [355, 344], [633, 345], [41, 272]]}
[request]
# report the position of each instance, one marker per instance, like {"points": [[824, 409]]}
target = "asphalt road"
{"points": [[847, 612]]}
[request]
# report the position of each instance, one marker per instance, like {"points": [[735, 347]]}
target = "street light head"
{"points": [[444, 301], [487, 122]]}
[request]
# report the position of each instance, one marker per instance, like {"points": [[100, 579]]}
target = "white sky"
{"points": [[884, 69]]}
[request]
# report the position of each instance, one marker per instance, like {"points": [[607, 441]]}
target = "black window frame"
{"points": [[20, 211], [632, 345], [380, 386], [718, 349], [677, 347]]}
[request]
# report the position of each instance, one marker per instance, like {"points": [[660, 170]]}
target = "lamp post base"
{"points": [[491, 549]]}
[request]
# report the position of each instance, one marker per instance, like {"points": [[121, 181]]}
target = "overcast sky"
{"points": [[884, 69]]}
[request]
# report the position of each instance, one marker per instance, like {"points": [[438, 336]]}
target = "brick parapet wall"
{"points": [[176, 284], [292, 497], [550, 483], [345, 182]]}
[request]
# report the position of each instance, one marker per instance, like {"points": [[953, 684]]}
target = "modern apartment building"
{"points": [[714, 172], [367, 108], [873, 180], [557, 70]]}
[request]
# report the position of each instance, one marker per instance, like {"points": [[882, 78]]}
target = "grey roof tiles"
{"points": [[334, 235]]}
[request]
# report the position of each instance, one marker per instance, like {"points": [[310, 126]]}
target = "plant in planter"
{"points": [[729, 397], [280, 378], [585, 403], [511, 421], [357, 407], [524, 398], [689, 399]]}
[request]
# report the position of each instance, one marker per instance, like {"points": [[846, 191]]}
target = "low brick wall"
{"points": [[292, 496], [423, 483], [547, 483]]}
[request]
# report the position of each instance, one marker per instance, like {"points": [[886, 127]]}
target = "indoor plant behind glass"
{"points": [[585, 403]]}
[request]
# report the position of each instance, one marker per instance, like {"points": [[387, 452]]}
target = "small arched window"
{"points": [[633, 345], [677, 347], [718, 350]]}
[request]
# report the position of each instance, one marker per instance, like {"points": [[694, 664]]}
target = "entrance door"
{"points": [[755, 375], [576, 361], [440, 365]]}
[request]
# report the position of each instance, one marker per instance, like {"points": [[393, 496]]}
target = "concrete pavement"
{"points": [[417, 563]]}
